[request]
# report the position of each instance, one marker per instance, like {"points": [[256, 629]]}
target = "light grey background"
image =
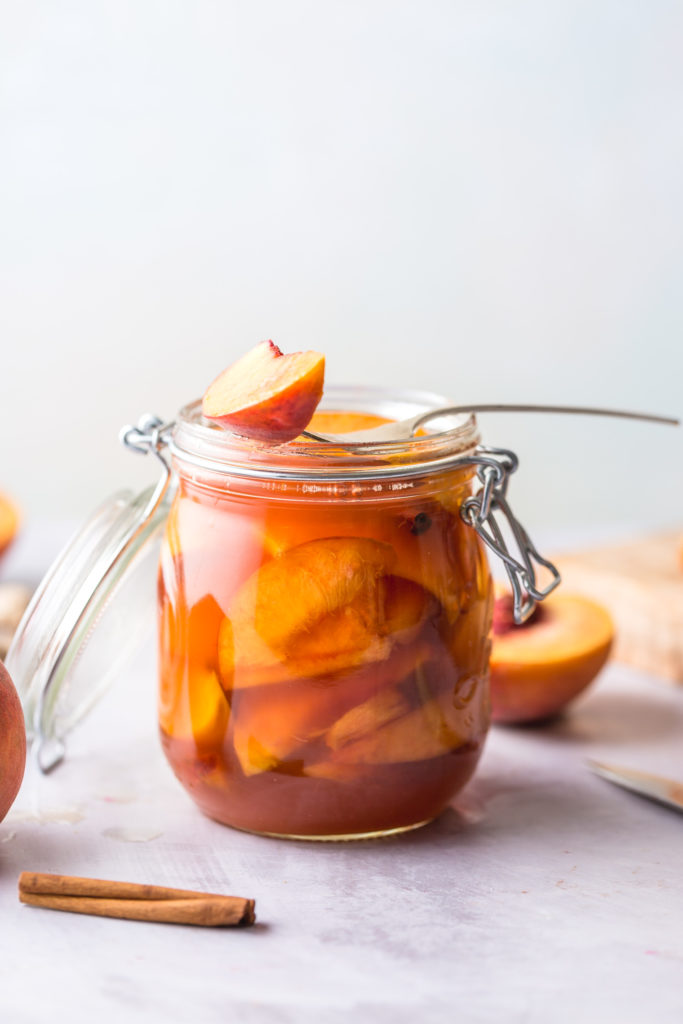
{"points": [[481, 198]]}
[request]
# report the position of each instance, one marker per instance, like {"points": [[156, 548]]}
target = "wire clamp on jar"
{"points": [[150, 435], [494, 467]]}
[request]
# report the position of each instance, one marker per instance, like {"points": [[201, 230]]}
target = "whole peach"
{"points": [[12, 742]]}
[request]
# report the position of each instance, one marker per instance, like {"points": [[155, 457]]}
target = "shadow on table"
{"points": [[535, 812], [489, 810], [613, 718]]}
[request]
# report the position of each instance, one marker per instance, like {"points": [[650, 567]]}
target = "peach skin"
{"points": [[12, 742], [539, 667]]}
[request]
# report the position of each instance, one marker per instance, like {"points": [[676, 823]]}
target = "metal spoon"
{"points": [[405, 429]]}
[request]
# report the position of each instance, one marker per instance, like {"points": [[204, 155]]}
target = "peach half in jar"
{"points": [[323, 662]]}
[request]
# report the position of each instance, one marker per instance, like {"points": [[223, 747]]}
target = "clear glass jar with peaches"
{"points": [[324, 619]]}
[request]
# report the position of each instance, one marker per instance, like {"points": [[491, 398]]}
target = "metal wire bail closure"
{"points": [[150, 435], [494, 467]]}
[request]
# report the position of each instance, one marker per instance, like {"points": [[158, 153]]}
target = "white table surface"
{"points": [[543, 895]]}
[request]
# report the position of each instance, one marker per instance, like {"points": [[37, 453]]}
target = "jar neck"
{"points": [[197, 443]]}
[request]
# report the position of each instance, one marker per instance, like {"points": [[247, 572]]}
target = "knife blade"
{"points": [[654, 787]]}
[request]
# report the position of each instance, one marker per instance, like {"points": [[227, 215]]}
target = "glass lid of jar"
{"points": [[58, 669]]}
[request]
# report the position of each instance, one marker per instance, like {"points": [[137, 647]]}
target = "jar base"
{"points": [[351, 837]]}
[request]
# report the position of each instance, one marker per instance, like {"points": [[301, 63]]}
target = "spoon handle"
{"points": [[571, 409]]}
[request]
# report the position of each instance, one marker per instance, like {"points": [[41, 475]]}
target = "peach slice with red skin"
{"points": [[267, 395], [539, 667]]}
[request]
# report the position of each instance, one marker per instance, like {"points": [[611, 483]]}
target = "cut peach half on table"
{"points": [[539, 667], [266, 395], [9, 521]]}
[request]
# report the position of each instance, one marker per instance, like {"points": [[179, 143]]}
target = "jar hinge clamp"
{"points": [[151, 435], [482, 512]]}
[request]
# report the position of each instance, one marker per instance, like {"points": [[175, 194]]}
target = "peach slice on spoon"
{"points": [[266, 395]]}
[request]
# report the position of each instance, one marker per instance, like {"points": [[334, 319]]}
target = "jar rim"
{"points": [[200, 444]]}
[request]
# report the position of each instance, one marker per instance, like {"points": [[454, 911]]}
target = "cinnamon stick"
{"points": [[133, 901]]}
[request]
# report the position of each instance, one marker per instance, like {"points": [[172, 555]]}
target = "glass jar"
{"points": [[324, 619], [323, 616]]}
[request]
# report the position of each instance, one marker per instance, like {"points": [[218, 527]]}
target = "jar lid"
{"points": [[62, 659]]}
